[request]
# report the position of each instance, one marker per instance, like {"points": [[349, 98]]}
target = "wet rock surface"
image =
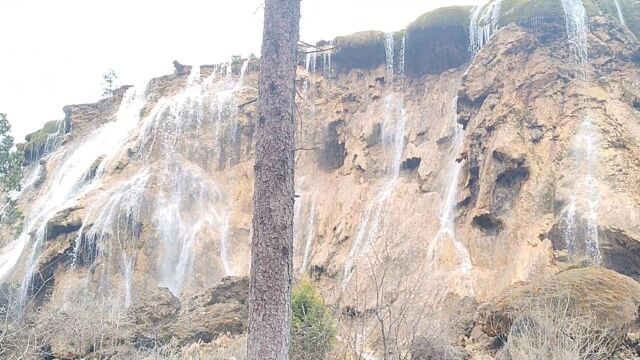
{"points": [[516, 109]]}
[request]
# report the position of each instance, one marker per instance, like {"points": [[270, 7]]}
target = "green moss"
{"points": [[521, 11], [37, 141], [361, 39], [442, 18], [50, 127], [438, 40], [631, 13], [362, 50]]}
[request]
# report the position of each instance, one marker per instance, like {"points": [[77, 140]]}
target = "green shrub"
{"points": [[313, 330]]}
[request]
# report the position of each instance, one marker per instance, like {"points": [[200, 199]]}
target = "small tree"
{"points": [[10, 159], [10, 173], [313, 331], [109, 83]]}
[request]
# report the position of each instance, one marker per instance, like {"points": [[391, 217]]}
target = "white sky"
{"points": [[54, 52]]}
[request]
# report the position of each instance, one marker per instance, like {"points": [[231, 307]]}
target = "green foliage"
{"points": [[10, 173], [446, 17], [520, 11], [109, 83], [10, 159], [12, 216], [37, 141], [313, 330]]}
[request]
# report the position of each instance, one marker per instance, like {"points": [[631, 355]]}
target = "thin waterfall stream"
{"points": [[581, 213], [483, 24], [619, 11], [393, 129], [447, 229]]}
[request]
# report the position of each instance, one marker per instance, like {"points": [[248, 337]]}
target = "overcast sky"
{"points": [[53, 53]]}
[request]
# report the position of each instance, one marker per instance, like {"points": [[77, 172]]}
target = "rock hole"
{"points": [[513, 177], [411, 164], [488, 224]]}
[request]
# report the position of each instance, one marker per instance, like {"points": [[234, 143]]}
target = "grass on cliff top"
{"points": [[37, 139], [519, 11], [360, 39], [50, 127], [511, 11], [443, 17], [630, 12]]}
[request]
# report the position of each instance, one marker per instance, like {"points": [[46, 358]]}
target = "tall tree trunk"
{"points": [[271, 249]]}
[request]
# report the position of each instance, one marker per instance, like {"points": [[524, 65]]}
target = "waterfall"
{"points": [[128, 266], [483, 24], [585, 195], [619, 11], [401, 60], [577, 27], [67, 183], [311, 64], [311, 61], [243, 71], [447, 229], [326, 63], [581, 214], [389, 48], [310, 68], [393, 127], [190, 203], [168, 186], [310, 235], [51, 142]]}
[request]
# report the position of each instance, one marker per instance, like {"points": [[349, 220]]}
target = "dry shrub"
{"points": [[86, 327], [552, 330], [76, 329]]}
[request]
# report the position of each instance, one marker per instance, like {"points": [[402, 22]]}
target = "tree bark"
{"points": [[273, 199]]}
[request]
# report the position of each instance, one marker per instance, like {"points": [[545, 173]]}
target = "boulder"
{"points": [[223, 309], [611, 298], [156, 308], [64, 222]]}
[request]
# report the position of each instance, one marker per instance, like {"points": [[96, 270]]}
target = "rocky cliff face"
{"points": [[450, 160]]}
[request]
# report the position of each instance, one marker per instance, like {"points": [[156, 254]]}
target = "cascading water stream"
{"points": [[483, 24], [389, 48], [393, 136], [581, 214], [577, 28], [619, 11], [447, 229], [586, 195], [191, 202], [311, 228], [170, 189], [68, 183]]}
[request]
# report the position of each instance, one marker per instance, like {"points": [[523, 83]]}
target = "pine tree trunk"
{"points": [[271, 249]]}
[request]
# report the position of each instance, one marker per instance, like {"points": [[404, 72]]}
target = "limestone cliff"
{"points": [[448, 160]]}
